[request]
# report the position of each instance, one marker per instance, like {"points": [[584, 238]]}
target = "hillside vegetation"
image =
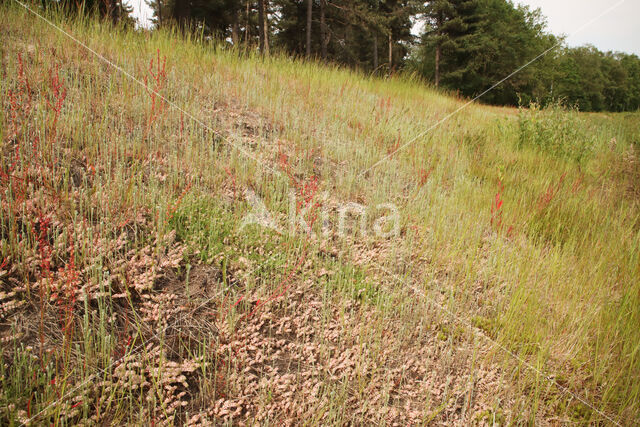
{"points": [[135, 291]]}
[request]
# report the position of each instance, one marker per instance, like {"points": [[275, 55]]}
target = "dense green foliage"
{"points": [[483, 41], [467, 46], [115, 10], [355, 33], [597, 81]]}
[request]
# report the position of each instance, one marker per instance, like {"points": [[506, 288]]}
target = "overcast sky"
{"points": [[618, 30], [141, 11]]}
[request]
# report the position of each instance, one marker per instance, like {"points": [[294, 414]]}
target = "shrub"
{"points": [[556, 130]]}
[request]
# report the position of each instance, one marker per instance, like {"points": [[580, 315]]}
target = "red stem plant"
{"points": [[496, 211], [395, 146], [232, 177], [25, 189], [424, 176], [45, 251], [577, 184], [547, 197], [158, 82], [20, 101], [20, 107], [306, 194], [173, 207], [67, 300], [496, 208], [59, 92], [384, 106], [306, 191]]}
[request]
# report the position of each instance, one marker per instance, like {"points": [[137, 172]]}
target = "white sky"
{"points": [[141, 11], [618, 30]]}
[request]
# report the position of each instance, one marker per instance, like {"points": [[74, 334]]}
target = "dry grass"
{"points": [[130, 293]]}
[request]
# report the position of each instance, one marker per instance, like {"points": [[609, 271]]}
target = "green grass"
{"points": [[146, 205]]}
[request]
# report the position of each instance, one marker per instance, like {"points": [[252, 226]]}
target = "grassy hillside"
{"points": [[133, 291]]}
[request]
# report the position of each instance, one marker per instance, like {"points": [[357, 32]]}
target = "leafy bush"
{"points": [[556, 130]]}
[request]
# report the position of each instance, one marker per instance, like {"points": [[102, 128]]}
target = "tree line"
{"points": [[365, 34], [463, 46], [470, 45]]}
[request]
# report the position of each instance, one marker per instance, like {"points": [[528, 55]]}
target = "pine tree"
{"points": [[114, 10], [309, 22], [449, 26], [219, 18]]}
